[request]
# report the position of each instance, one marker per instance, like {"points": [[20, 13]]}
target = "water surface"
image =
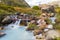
{"points": [[17, 33]]}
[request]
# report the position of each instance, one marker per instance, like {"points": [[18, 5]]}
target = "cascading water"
{"points": [[53, 19], [16, 24]]}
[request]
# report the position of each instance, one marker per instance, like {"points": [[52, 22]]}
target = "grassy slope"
{"points": [[20, 3]]}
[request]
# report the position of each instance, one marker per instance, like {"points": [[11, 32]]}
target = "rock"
{"points": [[37, 32], [40, 36], [1, 28], [2, 34], [52, 34]]}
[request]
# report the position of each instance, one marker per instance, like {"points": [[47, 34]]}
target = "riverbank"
{"points": [[46, 25]]}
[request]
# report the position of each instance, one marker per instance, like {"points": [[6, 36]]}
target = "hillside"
{"points": [[7, 6], [20, 3]]}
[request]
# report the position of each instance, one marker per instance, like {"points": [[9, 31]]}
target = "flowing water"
{"points": [[53, 19], [16, 32]]}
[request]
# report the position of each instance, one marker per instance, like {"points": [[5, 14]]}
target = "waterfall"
{"points": [[17, 22]]}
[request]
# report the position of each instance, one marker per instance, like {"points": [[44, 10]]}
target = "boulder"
{"points": [[52, 34]]}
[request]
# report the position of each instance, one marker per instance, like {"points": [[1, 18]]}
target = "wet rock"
{"points": [[37, 32], [2, 34]]}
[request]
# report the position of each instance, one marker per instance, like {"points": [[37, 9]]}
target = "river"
{"points": [[16, 32]]}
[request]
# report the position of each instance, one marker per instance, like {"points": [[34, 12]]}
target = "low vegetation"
{"points": [[57, 25], [57, 38]]}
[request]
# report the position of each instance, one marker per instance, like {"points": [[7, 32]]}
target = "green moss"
{"points": [[57, 38]]}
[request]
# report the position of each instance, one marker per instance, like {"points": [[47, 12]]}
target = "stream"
{"points": [[16, 32]]}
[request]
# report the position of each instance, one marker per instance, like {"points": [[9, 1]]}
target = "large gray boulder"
{"points": [[51, 34]]}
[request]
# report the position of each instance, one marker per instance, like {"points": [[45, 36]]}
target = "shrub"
{"points": [[32, 26], [57, 26], [36, 7]]}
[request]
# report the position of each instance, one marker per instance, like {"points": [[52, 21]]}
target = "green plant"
{"points": [[58, 18], [36, 7], [48, 21], [57, 38], [57, 26], [32, 26]]}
